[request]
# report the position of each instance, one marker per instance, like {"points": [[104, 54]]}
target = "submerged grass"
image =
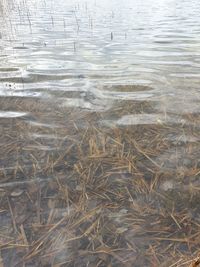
{"points": [[76, 192]]}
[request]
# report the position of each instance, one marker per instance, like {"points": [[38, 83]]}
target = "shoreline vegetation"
{"points": [[77, 191]]}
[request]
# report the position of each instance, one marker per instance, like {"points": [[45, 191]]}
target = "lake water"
{"points": [[99, 132]]}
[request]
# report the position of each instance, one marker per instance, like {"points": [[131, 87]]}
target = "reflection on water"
{"points": [[99, 136], [10, 114]]}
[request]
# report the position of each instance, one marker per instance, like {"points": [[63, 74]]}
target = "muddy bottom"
{"points": [[81, 188]]}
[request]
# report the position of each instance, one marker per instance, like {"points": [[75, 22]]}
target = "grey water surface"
{"points": [[67, 66], [49, 48]]}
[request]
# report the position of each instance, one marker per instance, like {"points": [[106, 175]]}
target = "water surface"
{"points": [[99, 132]]}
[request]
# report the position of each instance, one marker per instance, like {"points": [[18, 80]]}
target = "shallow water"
{"points": [[75, 46], [73, 74]]}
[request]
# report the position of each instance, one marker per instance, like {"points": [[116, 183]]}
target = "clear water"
{"points": [[68, 66], [48, 48]]}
